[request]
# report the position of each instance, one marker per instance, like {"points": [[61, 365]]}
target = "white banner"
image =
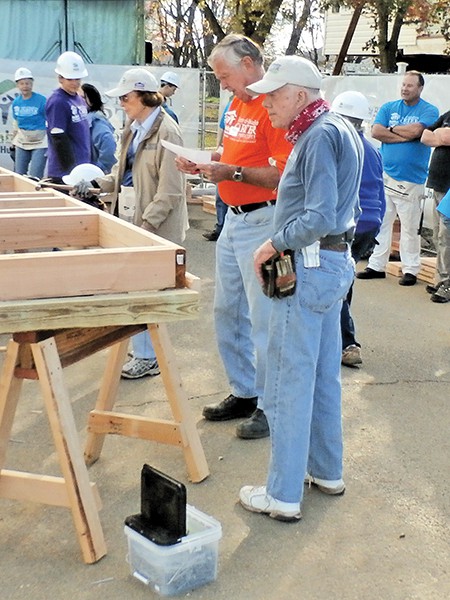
{"points": [[185, 101]]}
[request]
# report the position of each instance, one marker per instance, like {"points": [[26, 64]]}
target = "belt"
{"points": [[246, 208], [337, 243]]}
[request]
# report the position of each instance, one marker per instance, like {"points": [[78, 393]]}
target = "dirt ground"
{"points": [[387, 538]]}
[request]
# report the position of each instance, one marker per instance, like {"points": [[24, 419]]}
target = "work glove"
{"points": [[82, 189]]}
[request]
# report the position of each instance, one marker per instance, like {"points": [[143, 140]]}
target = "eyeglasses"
{"points": [[124, 98]]}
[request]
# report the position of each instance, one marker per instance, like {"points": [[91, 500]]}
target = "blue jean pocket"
{"points": [[319, 288]]}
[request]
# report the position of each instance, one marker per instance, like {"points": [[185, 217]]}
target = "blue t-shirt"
{"points": [[68, 113], [371, 190], [30, 113], [406, 161]]}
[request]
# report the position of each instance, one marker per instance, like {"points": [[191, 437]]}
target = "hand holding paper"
{"points": [[191, 154]]}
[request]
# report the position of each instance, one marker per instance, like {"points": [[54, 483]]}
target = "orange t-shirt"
{"points": [[249, 140]]}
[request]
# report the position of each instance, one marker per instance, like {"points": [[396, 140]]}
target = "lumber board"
{"points": [[73, 344], [44, 489], [427, 269], [21, 231], [157, 430], [209, 205], [85, 272], [95, 311]]}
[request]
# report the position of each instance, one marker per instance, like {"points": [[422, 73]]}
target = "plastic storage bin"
{"points": [[171, 570]]}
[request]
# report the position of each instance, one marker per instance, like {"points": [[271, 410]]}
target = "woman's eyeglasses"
{"points": [[124, 98]]}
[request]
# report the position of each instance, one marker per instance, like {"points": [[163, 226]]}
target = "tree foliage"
{"points": [[188, 29], [389, 16]]}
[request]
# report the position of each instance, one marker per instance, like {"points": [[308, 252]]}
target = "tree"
{"points": [[389, 16], [188, 29]]}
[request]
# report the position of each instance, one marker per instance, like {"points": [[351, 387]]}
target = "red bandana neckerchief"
{"points": [[306, 118]]}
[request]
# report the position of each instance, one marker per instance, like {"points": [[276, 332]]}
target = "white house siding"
{"points": [[336, 25]]}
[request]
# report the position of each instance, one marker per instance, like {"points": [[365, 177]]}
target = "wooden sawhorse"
{"points": [[42, 355]]}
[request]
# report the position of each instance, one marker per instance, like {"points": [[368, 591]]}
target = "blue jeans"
{"points": [[30, 162], [142, 346], [362, 244], [241, 310], [221, 211], [302, 396], [441, 238]]}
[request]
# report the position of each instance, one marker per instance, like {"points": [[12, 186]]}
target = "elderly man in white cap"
{"points": [[314, 219], [149, 191]]}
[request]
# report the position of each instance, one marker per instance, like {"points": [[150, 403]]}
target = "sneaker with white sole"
{"points": [[256, 499], [333, 488], [351, 356], [140, 367]]}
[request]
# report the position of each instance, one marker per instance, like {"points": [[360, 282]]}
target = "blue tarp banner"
{"points": [[102, 31]]}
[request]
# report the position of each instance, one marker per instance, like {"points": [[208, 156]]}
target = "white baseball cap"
{"points": [[135, 80], [288, 69]]}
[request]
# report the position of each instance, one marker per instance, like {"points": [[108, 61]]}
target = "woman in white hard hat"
{"points": [[69, 141], [148, 190], [170, 82], [30, 137]]}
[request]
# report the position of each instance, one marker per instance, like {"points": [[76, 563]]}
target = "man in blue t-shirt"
{"points": [[399, 126]]}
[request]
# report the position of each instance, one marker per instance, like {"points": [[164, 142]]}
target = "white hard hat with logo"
{"points": [[352, 104], [83, 172], [23, 73], [70, 65], [170, 77]]}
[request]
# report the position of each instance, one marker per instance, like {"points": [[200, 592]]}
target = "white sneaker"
{"points": [[256, 499], [140, 367], [333, 488]]}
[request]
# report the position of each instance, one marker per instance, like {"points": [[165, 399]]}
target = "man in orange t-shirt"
{"points": [[247, 174]]}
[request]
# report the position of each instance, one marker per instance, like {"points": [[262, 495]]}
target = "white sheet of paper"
{"points": [[196, 156]]}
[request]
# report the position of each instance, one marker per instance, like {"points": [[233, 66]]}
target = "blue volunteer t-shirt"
{"points": [[406, 161], [29, 113]]}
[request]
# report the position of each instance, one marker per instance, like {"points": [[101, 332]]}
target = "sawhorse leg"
{"points": [[181, 431], [73, 489]]}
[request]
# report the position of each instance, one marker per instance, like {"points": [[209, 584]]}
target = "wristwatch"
{"points": [[237, 175]]}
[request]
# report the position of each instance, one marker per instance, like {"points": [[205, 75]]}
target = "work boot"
{"points": [[408, 279], [369, 273], [232, 407], [254, 428]]}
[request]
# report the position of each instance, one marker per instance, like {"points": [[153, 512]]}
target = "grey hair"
{"points": [[234, 47]]}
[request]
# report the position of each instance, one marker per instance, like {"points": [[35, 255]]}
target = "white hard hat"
{"points": [[83, 172], [352, 104], [135, 80], [70, 65], [171, 77], [23, 73]]}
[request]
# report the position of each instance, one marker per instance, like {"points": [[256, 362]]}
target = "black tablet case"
{"points": [[163, 508]]}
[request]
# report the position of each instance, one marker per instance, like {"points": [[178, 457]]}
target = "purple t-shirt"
{"points": [[69, 114]]}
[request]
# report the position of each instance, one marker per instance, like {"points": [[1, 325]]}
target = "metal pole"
{"points": [[203, 111]]}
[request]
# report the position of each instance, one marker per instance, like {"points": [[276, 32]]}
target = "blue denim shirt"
{"points": [[318, 191]]}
